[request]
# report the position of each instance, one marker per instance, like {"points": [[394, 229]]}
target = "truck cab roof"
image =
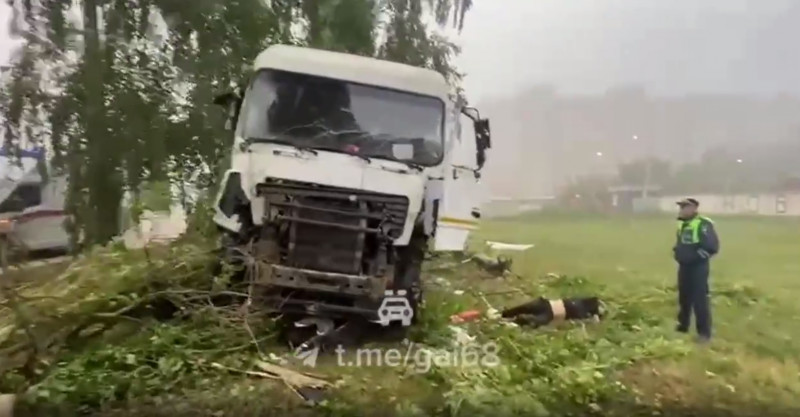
{"points": [[353, 68]]}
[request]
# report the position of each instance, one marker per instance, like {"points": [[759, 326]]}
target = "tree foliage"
{"points": [[120, 90], [760, 169], [636, 172]]}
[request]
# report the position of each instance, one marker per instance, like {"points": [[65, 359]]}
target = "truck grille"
{"points": [[329, 228]]}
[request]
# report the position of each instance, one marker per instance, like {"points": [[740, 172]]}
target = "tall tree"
{"points": [[123, 95]]}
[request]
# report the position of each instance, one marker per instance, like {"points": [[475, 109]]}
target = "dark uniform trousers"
{"points": [[693, 295]]}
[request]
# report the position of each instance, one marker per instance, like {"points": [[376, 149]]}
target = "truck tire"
{"points": [[4, 249], [408, 273]]}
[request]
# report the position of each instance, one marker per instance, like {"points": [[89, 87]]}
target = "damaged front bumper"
{"points": [[297, 290], [329, 282]]}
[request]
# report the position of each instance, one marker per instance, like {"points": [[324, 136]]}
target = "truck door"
{"points": [[458, 209]]}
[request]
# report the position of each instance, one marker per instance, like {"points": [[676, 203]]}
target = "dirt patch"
{"points": [[737, 384], [652, 383]]}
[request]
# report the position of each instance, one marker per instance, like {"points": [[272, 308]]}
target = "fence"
{"points": [[785, 204]]}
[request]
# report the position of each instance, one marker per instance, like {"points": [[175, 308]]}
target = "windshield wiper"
{"points": [[385, 138], [412, 165], [280, 141], [337, 133], [347, 152], [334, 133], [364, 157], [309, 149]]}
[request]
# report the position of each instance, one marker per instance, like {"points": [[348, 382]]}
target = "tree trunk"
{"points": [[311, 10], [104, 180]]}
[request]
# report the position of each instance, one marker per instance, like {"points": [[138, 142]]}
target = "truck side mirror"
{"points": [[483, 136], [232, 102], [483, 140]]}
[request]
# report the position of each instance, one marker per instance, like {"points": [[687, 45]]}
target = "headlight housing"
{"points": [[6, 226]]}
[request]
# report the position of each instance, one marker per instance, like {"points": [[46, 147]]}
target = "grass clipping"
{"points": [[42, 318]]}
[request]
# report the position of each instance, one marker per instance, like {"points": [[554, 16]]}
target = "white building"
{"points": [[765, 204]]}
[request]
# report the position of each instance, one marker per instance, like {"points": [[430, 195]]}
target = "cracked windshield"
{"points": [[399, 208], [326, 114]]}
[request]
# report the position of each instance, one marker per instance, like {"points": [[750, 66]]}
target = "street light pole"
{"points": [[648, 167], [598, 164], [730, 176]]}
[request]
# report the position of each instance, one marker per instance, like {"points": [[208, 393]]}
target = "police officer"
{"points": [[696, 243]]}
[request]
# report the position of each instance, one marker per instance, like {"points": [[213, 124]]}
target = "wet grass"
{"points": [[755, 284], [632, 363]]}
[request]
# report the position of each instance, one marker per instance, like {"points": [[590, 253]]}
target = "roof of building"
{"points": [[632, 188], [498, 199], [353, 68]]}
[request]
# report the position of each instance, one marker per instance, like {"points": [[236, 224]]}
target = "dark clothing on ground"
{"points": [[697, 242]]}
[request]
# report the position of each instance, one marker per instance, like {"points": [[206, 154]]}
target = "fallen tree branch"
{"points": [[244, 371], [102, 288]]}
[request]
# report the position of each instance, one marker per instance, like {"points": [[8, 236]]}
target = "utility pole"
{"points": [[648, 167], [730, 177], [647, 173]]}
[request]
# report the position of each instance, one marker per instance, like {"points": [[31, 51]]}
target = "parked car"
{"points": [[41, 228], [32, 216]]}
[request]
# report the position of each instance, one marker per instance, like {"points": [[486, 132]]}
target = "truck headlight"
{"points": [[6, 225]]}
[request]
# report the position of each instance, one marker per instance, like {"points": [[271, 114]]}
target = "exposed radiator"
{"points": [[332, 229]]}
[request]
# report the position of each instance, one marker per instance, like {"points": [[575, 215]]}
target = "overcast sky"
{"points": [[585, 46], [668, 46]]}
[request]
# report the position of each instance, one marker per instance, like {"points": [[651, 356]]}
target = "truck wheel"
{"points": [[4, 253], [414, 290], [408, 274]]}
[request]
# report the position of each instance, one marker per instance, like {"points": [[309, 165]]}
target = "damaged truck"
{"points": [[344, 171]]}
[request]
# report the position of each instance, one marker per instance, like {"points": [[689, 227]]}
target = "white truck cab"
{"points": [[343, 170]]}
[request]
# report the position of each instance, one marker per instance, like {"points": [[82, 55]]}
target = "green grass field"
{"points": [[752, 366], [755, 285], [631, 363]]}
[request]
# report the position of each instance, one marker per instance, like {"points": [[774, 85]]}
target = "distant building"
{"points": [[628, 198], [791, 185], [763, 204], [499, 206]]}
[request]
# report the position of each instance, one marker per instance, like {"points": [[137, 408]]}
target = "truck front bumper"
{"points": [[321, 293]]}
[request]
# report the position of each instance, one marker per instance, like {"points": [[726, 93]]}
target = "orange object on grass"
{"points": [[464, 316]]}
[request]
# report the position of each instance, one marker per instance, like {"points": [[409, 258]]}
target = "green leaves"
{"points": [[558, 368], [134, 104]]}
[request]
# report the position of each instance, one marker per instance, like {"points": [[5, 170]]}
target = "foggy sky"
{"points": [[670, 47], [586, 46]]}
